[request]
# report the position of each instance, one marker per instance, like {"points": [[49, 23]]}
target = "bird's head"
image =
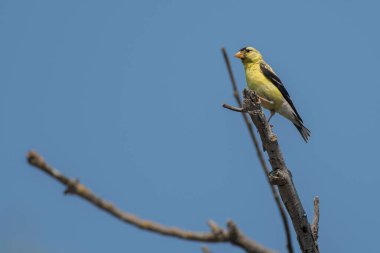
{"points": [[249, 55]]}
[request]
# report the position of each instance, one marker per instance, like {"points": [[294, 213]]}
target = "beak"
{"points": [[239, 55]]}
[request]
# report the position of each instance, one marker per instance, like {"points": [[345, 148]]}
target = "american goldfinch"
{"points": [[268, 86]]}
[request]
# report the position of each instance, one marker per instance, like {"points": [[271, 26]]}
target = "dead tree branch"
{"points": [[232, 234], [259, 153], [315, 226], [280, 175]]}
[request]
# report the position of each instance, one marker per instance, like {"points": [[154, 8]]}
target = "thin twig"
{"points": [[236, 237], [315, 226], [259, 153], [280, 175], [233, 108]]}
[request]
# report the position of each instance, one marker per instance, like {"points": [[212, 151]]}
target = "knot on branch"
{"points": [[251, 102], [217, 231], [278, 177], [233, 231], [72, 187], [273, 138]]}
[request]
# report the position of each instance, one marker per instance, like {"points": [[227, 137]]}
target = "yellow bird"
{"points": [[268, 86]]}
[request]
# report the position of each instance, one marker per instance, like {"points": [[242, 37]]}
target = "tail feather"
{"points": [[305, 133], [288, 112]]}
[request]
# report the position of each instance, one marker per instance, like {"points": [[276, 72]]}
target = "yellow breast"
{"points": [[257, 82]]}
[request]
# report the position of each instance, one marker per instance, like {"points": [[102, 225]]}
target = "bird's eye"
{"points": [[248, 50]]}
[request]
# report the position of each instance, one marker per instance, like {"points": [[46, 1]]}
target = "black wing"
{"points": [[268, 73]]}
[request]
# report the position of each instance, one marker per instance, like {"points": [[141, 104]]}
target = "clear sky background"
{"points": [[126, 96]]}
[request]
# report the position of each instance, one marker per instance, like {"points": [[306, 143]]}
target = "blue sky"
{"points": [[126, 96]]}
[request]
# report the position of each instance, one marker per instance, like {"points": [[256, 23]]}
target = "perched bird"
{"points": [[268, 86]]}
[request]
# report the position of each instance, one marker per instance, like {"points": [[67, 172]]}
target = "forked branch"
{"points": [[259, 153], [280, 175]]}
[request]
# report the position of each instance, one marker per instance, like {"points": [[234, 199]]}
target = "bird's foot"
{"points": [[272, 113], [265, 100]]}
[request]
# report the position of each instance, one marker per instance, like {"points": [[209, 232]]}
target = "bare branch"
{"points": [[216, 235], [237, 238], [233, 108], [215, 229], [315, 226], [280, 175], [259, 153]]}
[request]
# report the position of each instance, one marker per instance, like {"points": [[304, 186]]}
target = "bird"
{"points": [[269, 88]]}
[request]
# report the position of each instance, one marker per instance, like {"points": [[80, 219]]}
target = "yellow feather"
{"points": [[257, 82]]}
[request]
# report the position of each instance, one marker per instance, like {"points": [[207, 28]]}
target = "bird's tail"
{"points": [[305, 133]]}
